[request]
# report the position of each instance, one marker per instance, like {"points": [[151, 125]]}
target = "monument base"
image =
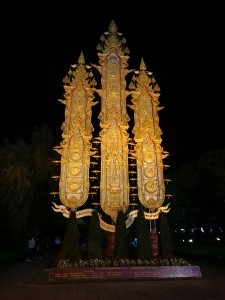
{"points": [[122, 273]]}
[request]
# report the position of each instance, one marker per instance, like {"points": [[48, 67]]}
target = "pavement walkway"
{"points": [[14, 286]]}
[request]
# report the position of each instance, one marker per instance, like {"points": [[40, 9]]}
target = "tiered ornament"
{"points": [[75, 149], [131, 166]]}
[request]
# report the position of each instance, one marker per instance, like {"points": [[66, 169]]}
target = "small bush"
{"points": [[65, 263]]}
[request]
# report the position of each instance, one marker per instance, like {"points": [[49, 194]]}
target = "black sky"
{"points": [[182, 45]]}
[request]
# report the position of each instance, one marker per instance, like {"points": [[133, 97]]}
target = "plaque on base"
{"points": [[123, 273]]}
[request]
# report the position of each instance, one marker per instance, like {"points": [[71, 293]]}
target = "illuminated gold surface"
{"points": [[147, 135], [114, 192], [75, 148]]}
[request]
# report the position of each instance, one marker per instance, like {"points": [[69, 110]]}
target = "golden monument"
{"points": [[121, 165]]}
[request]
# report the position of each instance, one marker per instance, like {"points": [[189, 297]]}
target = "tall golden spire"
{"points": [[113, 39], [147, 134], [80, 72], [114, 186], [77, 133], [142, 65]]}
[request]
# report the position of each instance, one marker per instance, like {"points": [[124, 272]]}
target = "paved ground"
{"points": [[14, 286]]}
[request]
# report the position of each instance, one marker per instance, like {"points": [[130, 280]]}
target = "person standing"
{"points": [[31, 245], [39, 248]]}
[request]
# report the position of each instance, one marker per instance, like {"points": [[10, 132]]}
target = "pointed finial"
{"points": [[81, 60], [142, 65], [112, 27]]}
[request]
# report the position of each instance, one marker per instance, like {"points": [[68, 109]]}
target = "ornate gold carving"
{"points": [[147, 134], [75, 148], [112, 39], [114, 169], [114, 191]]}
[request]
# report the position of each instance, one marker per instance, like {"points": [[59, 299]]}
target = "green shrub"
{"points": [[72, 247], [121, 237], [144, 250], [95, 248]]}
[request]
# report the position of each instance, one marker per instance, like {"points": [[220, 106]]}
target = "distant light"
{"points": [[190, 241], [218, 239], [182, 230], [202, 230]]}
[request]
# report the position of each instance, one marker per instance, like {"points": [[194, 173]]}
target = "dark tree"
{"points": [[121, 248], [71, 242], [24, 187], [144, 250], [16, 193], [95, 247], [165, 240], [41, 169], [197, 188]]}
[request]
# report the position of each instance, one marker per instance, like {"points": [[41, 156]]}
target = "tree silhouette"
{"points": [[195, 187], [121, 248], [16, 192], [41, 158], [24, 186], [95, 247], [71, 241], [144, 250], [165, 240]]}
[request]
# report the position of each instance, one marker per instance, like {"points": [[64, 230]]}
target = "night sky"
{"points": [[183, 47]]}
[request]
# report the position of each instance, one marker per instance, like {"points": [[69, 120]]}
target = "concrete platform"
{"points": [[88, 274]]}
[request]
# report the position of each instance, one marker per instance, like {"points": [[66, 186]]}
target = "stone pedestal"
{"points": [[123, 273]]}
